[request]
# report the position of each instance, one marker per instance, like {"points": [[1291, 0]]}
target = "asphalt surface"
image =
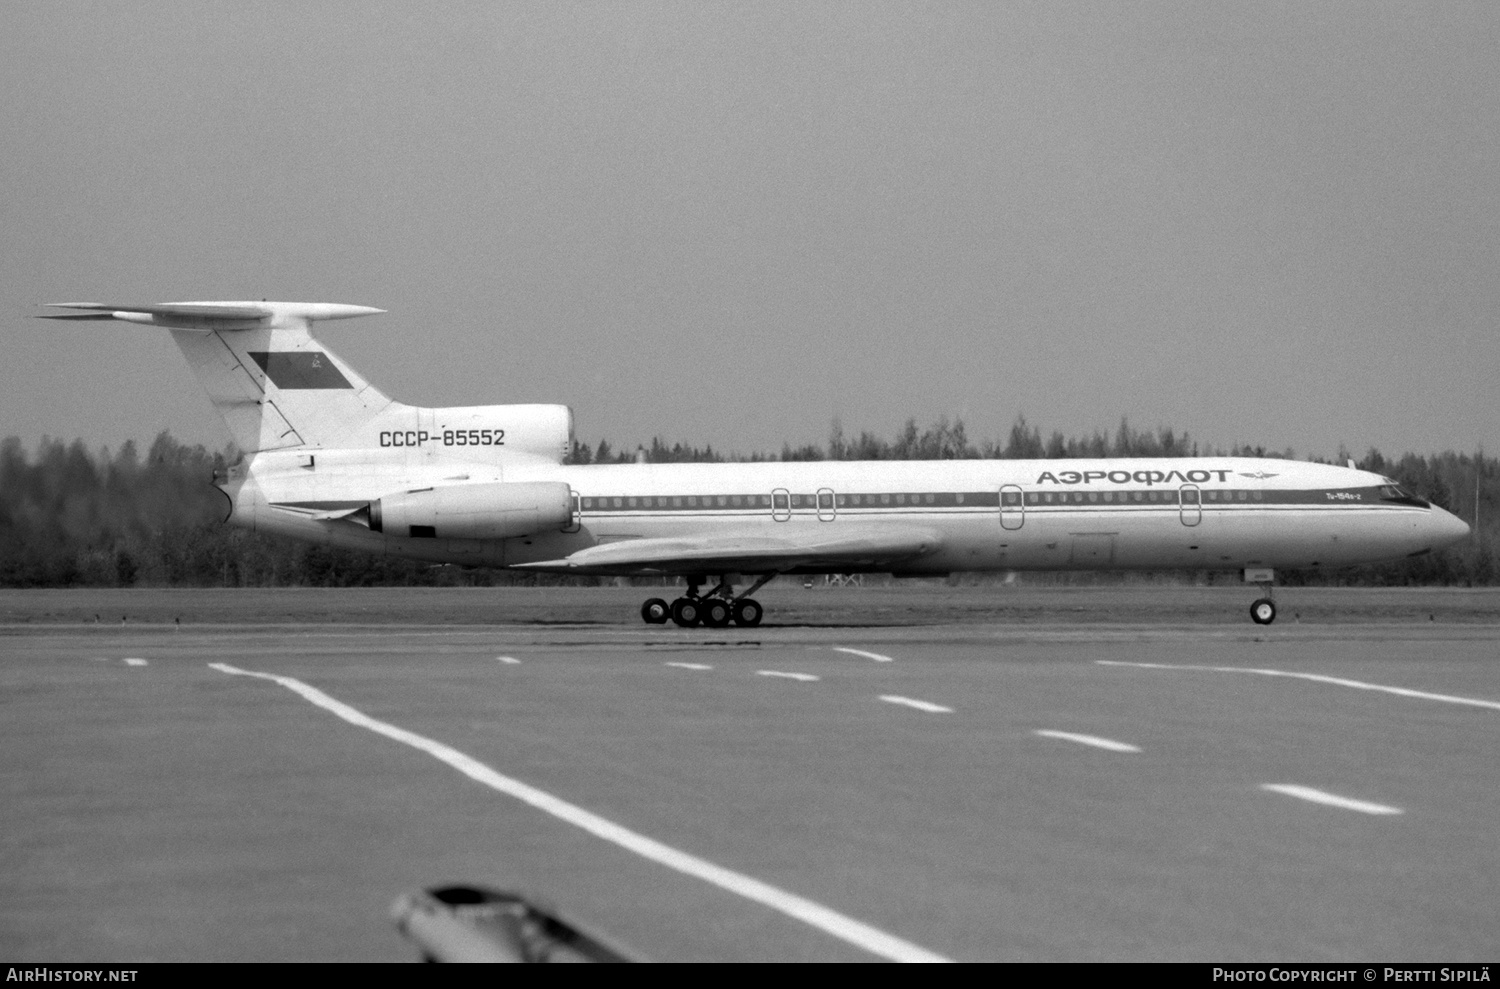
{"points": [[972, 790]]}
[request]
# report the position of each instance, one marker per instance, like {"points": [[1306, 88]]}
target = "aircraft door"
{"points": [[576, 520], [826, 501], [1191, 504], [1012, 507], [781, 504]]}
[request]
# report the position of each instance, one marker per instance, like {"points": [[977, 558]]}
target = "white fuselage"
{"points": [[1200, 513]]}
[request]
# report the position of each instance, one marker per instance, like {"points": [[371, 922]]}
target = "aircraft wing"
{"points": [[832, 547]]}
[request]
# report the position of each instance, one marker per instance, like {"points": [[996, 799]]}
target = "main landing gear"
{"points": [[1263, 610], [716, 609]]}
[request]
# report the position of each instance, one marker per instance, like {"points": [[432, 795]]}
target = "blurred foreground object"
{"points": [[473, 924]]}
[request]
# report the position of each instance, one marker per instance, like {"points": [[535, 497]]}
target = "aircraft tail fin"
{"points": [[276, 387]]}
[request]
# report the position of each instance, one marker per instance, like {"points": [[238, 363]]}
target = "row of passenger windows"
{"points": [[827, 499]]}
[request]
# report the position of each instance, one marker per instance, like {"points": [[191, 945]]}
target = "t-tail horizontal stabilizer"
{"points": [[214, 315], [276, 387]]}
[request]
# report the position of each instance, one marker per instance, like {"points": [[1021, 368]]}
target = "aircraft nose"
{"points": [[1447, 528]]}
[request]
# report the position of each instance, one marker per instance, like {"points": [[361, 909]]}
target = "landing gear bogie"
{"points": [[719, 608]]}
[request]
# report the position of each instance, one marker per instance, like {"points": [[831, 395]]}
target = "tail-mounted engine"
{"points": [[475, 511]]}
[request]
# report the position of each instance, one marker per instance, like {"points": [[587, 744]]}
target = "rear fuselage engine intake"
{"points": [[475, 511]]}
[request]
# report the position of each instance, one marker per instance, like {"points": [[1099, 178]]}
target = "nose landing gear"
{"points": [[1263, 610], [717, 609]]}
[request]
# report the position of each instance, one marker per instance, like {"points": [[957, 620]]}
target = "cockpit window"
{"points": [[1396, 493]]}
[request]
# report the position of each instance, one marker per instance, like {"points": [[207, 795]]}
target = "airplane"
{"points": [[330, 459]]}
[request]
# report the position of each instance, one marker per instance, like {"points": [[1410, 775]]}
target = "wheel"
{"points": [[715, 613], [747, 612], [686, 612], [1263, 612], [655, 612]]}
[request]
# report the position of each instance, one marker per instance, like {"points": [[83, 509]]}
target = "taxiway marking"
{"points": [[855, 932], [919, 705], [804, 677], [1316, 678], [508, 660], [134, 661], [1331, 799], [1094, 740], [860, 652], [689, 666]]}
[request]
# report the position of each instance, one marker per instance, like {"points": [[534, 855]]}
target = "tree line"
{"points": [[72, 517]]}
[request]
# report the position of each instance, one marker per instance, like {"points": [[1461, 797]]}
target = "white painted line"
{"points": [[855, 932], [1094, 740], [860, 652], [1316, 678], [804, 677], [134, 661], [1331, 799], [919, 705], [689, 666], [509, 660]]}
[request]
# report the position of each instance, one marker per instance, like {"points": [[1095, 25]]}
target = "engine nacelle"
{"points": [[475, 511]]}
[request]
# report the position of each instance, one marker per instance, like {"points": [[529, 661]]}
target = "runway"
{"points": [[965, 790]]}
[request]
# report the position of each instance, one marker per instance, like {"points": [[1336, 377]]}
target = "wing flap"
{"points": [[751, 552]]}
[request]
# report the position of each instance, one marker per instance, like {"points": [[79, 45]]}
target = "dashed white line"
{"points": [[1331, 799], [860, 652], [804, 677], [690, 666], [1316, 678], [1094, 740], [134, 661], [855, 932], [919, 705], [508, 660]]}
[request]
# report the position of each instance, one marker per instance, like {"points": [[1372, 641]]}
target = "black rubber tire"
{"points": [[716, 613], [687, 612], [656, 612], [748, 612], [1263, 611]]}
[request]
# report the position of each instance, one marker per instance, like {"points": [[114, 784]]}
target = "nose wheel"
{"points": [[1263, 611]]}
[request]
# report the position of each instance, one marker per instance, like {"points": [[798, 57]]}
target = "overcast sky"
{"points": [[730, 223]]}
